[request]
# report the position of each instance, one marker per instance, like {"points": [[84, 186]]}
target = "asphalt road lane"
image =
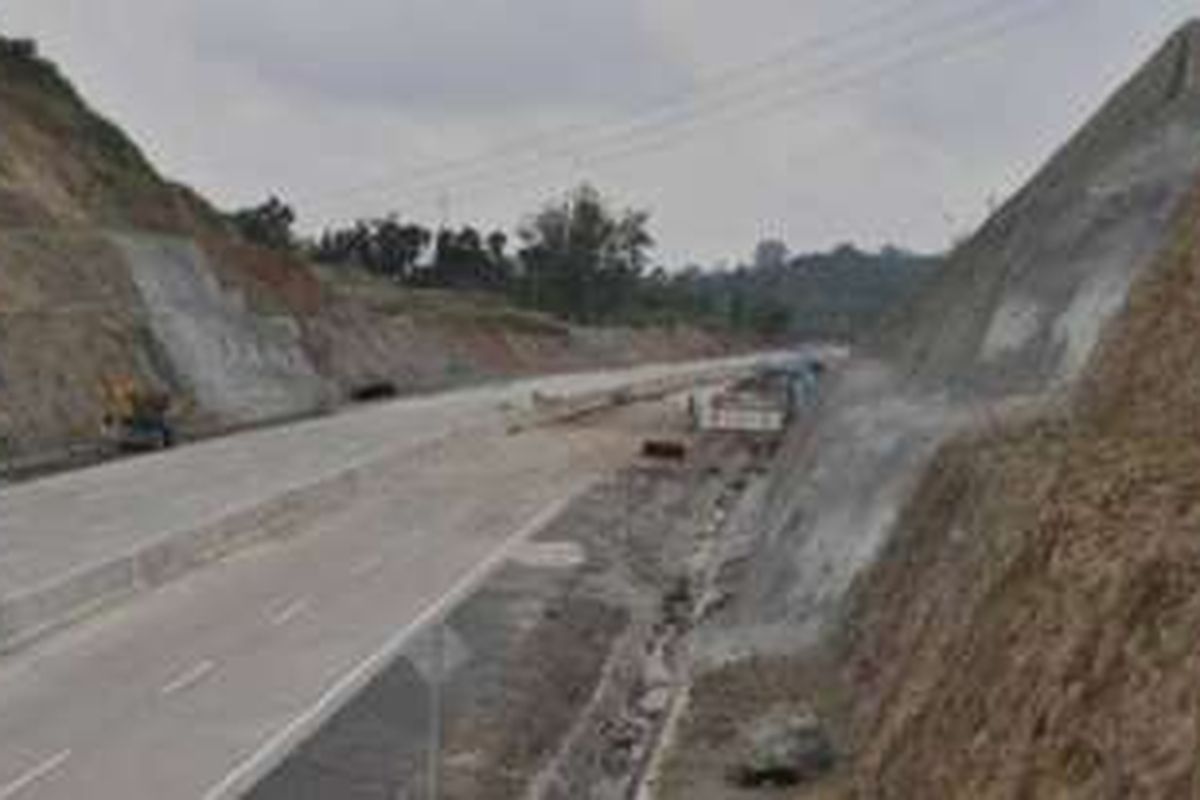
{"points": [[197, 690], [51, 527]]}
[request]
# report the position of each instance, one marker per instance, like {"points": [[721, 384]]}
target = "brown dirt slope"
{"points": [[109, 271], [980, 558], [1034, 629]]}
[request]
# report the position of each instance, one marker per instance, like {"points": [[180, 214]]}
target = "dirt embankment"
{"points": [[1033, 632], [110, 273], [1011, 320], [987, 542]]}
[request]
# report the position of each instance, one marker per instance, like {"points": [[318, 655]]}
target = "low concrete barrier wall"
{"points": [[27, 617], [66, 600], [554, 409]]}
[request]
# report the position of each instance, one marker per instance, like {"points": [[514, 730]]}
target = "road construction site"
{"points": [[229, 598], [560, 672]]}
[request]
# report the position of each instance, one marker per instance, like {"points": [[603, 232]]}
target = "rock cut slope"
{"points": [[1008, 323], [1033, 628], [110, 272], [994, 524], [1024, 301]]}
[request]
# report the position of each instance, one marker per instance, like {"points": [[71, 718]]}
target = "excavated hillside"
{"points": [[1034, 629], [978, 562], [1023, 302], [1008, 323], [110, 273]]}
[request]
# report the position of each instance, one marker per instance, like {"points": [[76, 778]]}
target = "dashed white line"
{"points": [[367, 567], [188, 679], [38, 773], [289, 612], [271, 752]]}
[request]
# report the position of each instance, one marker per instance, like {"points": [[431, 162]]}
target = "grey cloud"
{"points": [[432, 56], [369, 88]]}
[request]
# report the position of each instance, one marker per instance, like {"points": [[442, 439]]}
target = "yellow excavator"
{"points": [[135, 418]]}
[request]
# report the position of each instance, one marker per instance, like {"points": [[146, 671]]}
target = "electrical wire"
{"points": [[963, 31]]}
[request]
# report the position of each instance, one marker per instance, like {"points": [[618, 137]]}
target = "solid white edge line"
{"points": [[188, 679], [275, 749], [34, 775]]}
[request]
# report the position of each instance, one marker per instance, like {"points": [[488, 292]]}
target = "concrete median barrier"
{"points": [[549, 410], [31, 614], [64, 600]]}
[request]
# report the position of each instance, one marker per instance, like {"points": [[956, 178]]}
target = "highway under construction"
{"points": [[247, 589]]}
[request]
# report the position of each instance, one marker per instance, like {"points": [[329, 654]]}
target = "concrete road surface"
{"points": [[74, 542], [195, 690]]}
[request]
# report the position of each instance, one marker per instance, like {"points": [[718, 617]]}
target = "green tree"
{"points": [[770, 254], [464, 259], [582, 260], [385, 246], [268, 224]]}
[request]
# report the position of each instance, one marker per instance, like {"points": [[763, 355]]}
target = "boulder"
{"points": [[787, 747]]}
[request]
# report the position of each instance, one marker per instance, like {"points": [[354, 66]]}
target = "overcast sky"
{"points": [[815, 121]]}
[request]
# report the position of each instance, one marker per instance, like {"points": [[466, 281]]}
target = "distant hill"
{"points": [[844, 293], [840, 295]]}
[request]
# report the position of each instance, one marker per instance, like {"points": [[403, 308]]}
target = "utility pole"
{"points": [[630, 498], [437, 643], [569, 223]]}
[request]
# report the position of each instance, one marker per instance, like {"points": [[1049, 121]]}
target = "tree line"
{"points": [[577, 258]]}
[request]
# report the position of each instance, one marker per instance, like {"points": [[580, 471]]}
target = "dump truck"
{"points": [[136, 419]]}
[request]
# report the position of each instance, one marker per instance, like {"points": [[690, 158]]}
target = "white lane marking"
{"points": [[551, 555], [40, 772], [272, 752], [289, 612], [188, 679], [367, 567]]}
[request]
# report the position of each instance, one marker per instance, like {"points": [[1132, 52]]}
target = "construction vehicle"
{"points": [[136, 419], [664, 450]]}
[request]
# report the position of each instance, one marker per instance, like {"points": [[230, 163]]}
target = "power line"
{"points": [[766, 104], [805, 47], [652, 137], [959, 32], [776, 65], [691, 107]]}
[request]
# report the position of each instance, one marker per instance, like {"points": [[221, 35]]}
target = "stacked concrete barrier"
{"points": [[551, 410]]}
